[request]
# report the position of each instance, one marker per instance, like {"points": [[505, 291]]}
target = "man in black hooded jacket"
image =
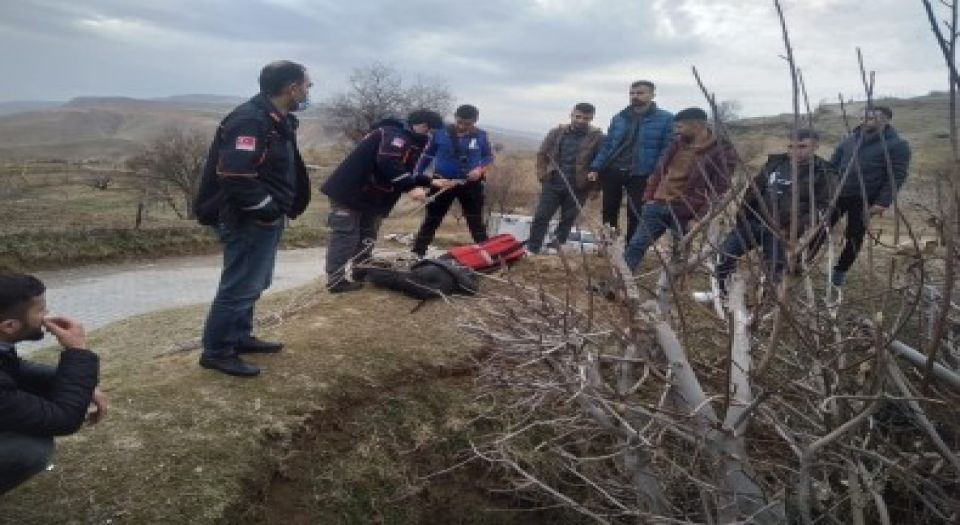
{"points": [[872, 163], [39, 401], [765, 217], [364, 188]]}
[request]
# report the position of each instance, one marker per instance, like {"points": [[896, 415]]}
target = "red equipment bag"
{"points": [[502, 249]]}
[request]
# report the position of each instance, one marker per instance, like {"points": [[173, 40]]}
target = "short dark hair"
{"points": [[883, 109], [425, 116], [804, 134], [467, 112], [586, 108], [276, 76], [644, 83], [16, 292], [691, 114]]}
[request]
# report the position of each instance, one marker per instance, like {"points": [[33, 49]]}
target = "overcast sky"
{"points": [[524, 63]]}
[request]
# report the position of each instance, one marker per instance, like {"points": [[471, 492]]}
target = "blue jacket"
{"points": [[475, 147], [656, 133]]}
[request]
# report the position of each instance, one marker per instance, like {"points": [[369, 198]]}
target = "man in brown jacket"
{"points": [[694, 172], [562, 166]]}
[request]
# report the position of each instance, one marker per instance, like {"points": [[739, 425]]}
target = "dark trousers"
{"points": [[470, 195], [746, 236], [22, 457], [855, 208], [249, 257], [553, 196], [614, 183], [856, 211], [353, 234], [655, 219]]}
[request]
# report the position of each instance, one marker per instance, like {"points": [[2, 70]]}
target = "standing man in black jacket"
{"points": [[262, 180], [37, 401], [872, 163], [364, 188], [765, 216]]}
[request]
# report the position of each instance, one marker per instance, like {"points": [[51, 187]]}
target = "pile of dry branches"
{"points": [[625, 402]]}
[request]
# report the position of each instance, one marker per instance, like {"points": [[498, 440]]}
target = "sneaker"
{"points": [[343, 286], [838, 278], [710, 297], [257, 346], [232, 366]]}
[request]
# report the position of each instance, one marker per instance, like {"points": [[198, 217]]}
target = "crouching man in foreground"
{"points": [[38, 402]]}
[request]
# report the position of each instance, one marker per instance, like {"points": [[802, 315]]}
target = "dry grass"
{"points": [[184, 444]]}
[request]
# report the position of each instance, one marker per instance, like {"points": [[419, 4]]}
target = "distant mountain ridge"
{"points": [[110, 127], [117, 127], [19, 106]]}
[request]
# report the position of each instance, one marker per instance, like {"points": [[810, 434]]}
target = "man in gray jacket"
{"points": [[872, 163]]}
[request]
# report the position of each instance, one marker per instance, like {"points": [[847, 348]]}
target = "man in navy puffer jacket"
{"points": [[872, 163], [636, 138]]}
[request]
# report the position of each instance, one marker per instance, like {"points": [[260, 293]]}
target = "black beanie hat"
{"points": [[691, 114], [425, 116]]}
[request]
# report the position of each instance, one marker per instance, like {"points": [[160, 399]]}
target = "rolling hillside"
{"points": [[99, 128]]}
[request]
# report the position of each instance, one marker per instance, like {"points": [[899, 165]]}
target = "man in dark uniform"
{"points": [[365, 187], [262, 180]]}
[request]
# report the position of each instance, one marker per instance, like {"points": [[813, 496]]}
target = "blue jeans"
{"points": [[748, 235], [553, 196], [249, 256], [655, 219], [21, 457]]}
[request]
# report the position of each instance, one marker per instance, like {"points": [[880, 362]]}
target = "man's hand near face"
{"points": [[68, 332]]}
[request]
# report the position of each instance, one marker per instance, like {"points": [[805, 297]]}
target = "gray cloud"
{"points": [[523, 62]]}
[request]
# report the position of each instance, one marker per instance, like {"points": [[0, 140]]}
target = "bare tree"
{"points": [[729, 110], [378, 91], [171, 166]]}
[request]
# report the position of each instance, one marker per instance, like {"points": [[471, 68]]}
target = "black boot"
{"points": [[256, 346], [231, 365]]}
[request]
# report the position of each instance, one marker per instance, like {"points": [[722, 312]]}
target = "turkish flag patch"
{"points": [[245, 143], [397, 142]]}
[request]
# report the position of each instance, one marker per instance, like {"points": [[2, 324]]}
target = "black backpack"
{"points": [[426, 279], [206, 206]]}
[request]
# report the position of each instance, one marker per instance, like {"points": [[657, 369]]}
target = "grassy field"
{"points": [[55, 216], [347, 425]]}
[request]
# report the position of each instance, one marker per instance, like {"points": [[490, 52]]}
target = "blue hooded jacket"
{"points": [[655, 134]]}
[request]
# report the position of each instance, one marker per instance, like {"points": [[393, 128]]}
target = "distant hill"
{"points": [[19, 106], [88, 128], [514, 140], [114, 127]]}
